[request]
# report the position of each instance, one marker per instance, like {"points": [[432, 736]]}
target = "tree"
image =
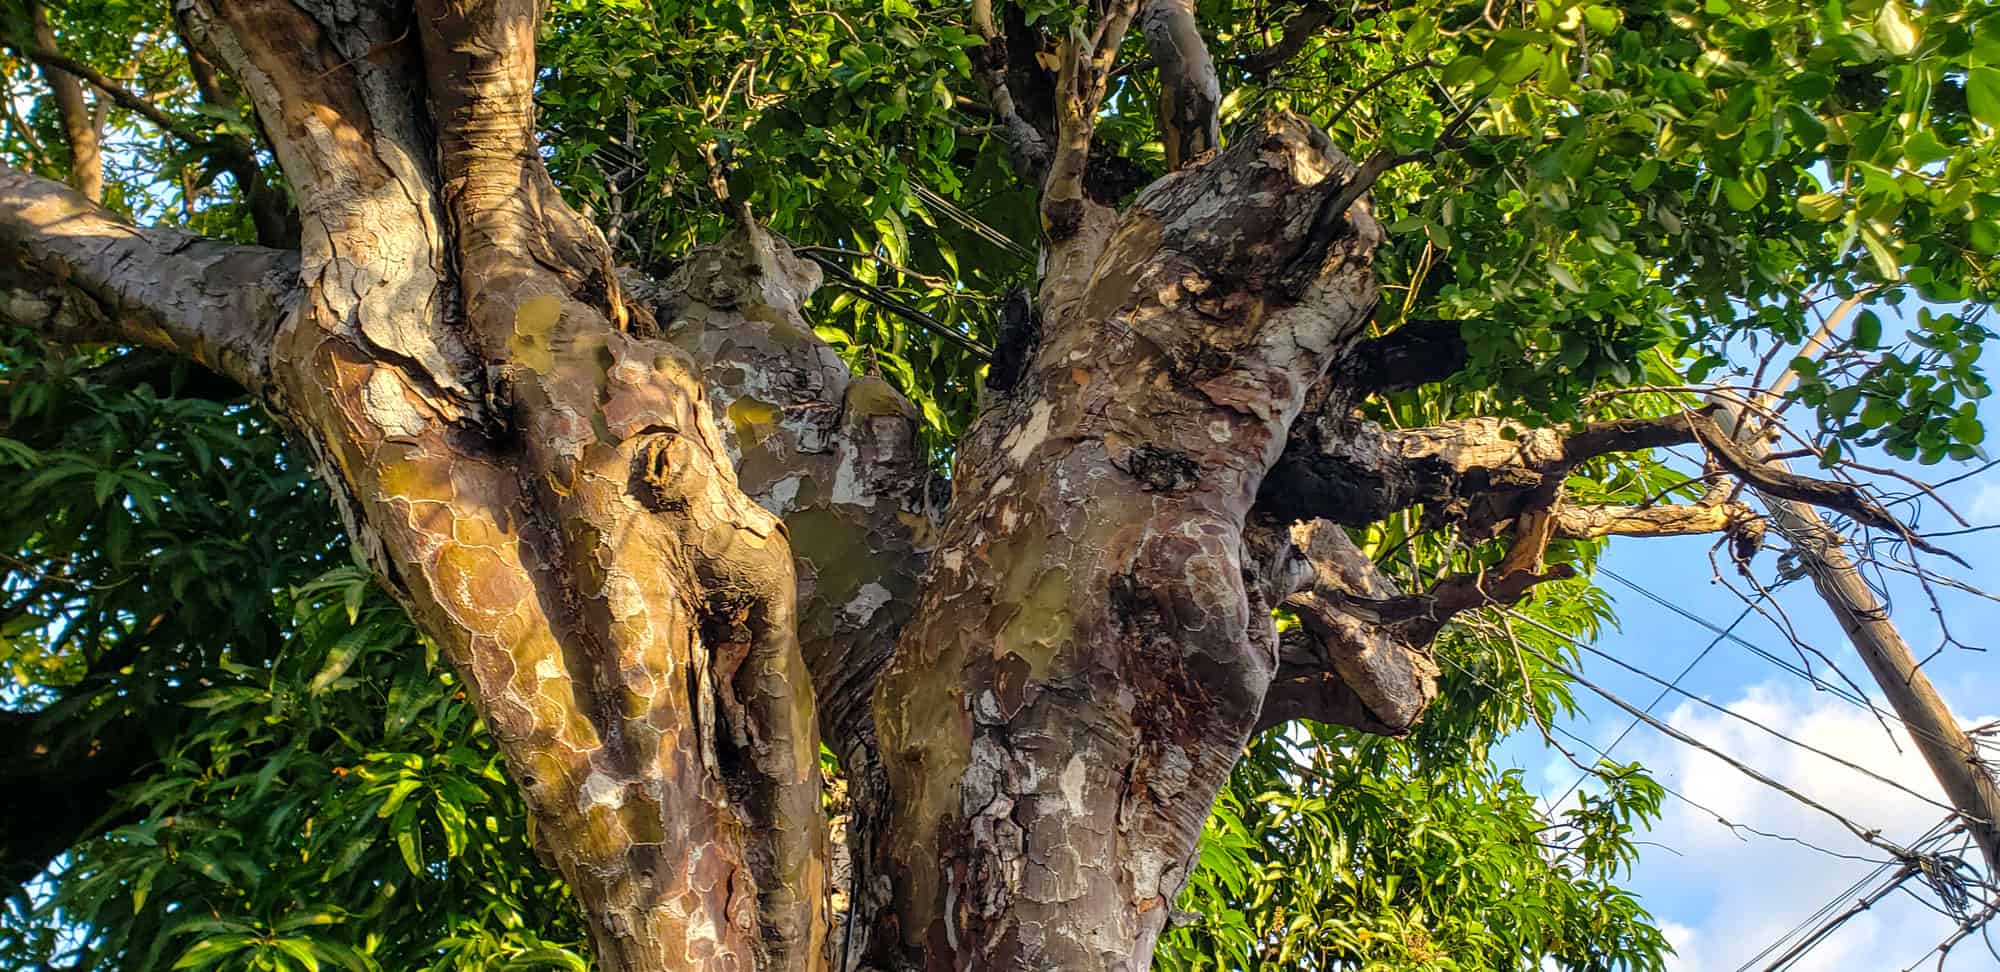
{"points": [[670, 535]]}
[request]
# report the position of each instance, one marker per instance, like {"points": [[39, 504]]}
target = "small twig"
{"points": [[887, 301], [1379, 81]]}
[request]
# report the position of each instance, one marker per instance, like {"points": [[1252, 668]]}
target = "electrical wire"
{"points": [[1865, 834], [1816, 926], [1732, 713], [1650, 706], [1844, 694], [1731, 825]]}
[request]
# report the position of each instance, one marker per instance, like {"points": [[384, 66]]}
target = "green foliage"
{"points": [[1642, 193], [319, 794]]}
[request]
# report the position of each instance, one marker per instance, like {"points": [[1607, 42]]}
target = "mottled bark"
{"points": [[670, 540], [1092, 644], [1190, 93]]}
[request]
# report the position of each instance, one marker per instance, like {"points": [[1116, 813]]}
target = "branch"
{"points": [[1343, 665], [1845, 498], [1029, 146], [1417, 353], [1478, 470], [78, 275], [271, 209], [119, 94], [1299, 30], [1667, 520], [1084, 71], [1190, 93], [86, 163]]}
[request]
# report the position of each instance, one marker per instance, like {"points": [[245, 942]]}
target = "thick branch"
{"points": [[1083, 74], [1666, 520], [1344, 666], [1476, 470], [545, 310], [1190, 93], [1417, 353], [1094, 638], [77, 274], [1774, 480]]}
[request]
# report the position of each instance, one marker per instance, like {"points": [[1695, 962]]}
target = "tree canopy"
{"points": [[1593, 213]]}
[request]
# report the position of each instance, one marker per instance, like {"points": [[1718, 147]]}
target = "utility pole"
{"points": [[1966, 780]]}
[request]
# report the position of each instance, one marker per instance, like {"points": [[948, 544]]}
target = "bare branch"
{"points": [[1029, 145], [120, 95], [1190, 93], [1084, 70], [1299, 30], [78, 274], [86, 164], [1773, 480], [1666, 520], [1476, 470]]}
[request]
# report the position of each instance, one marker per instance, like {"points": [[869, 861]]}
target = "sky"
{"points": [[1721, 896]]}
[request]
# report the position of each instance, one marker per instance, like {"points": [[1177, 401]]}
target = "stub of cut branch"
{"points": [[1341, 665]]}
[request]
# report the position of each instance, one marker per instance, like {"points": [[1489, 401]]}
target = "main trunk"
{"points": [[670, 541], [1095, 639]]}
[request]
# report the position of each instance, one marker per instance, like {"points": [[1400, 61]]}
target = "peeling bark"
{"points": [[1189, 90], [670, 540], [77, 274], [1089, 655]]}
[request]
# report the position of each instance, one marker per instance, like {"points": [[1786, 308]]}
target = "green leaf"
{"points": [[1982, 94], [1894, 30], [1923, 148], [1868, 330], [1822, 206], [1519, 65], [211, 951], [409, 839], [1882, 250]]}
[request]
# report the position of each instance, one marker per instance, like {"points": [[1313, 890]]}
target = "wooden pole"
{"points": [[1953, 758]]}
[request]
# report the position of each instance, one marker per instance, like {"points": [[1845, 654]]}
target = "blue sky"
{"points": [[1722, 897]]}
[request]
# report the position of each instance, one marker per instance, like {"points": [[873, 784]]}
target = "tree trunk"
{"points": [[1094, 639], [670, 541]]}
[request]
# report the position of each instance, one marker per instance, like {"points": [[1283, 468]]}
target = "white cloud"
{"points": [[1723, 897], [1986, 503]]}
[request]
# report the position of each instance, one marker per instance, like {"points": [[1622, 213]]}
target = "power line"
{"points": [[1725, 710], [1867, 835], [1650, 706], [1734, 827], [1816, 927], [1850, 696]]}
